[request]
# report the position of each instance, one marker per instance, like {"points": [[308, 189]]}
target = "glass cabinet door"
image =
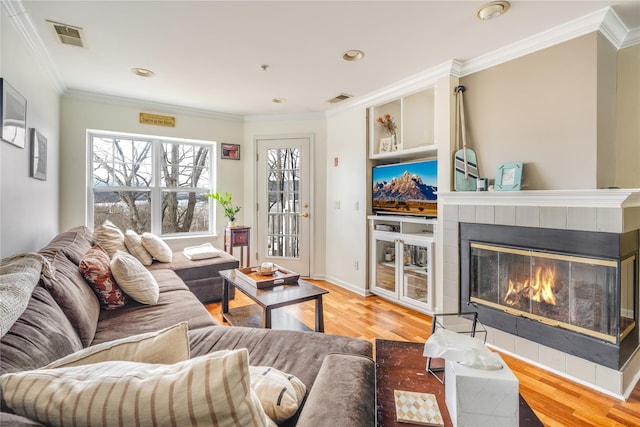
{"points": [[416, 263], [385, 264]]}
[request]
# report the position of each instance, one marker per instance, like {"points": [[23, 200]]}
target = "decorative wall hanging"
{"points": [[38, 155], [157, 120], [14, 115], [230, 151]]}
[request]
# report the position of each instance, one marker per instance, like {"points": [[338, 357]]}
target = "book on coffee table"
{"points": [[417, 408]]}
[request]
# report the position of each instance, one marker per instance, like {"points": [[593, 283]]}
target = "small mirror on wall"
{"points": [[38, 155]]}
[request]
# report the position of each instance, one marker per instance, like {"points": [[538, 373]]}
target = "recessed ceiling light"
{"points": [[279, 100], [142, 72], [353, 55], [492, 10]]}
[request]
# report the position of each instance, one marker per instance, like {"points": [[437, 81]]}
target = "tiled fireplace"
{"points": [[553, 276]]}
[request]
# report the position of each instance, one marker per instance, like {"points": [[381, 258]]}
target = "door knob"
{"points": [[304, 215]]}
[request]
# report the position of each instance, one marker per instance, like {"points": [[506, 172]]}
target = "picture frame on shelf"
{"points": [[38, 155], [385, 145], [14, 115], [230, 151], [509, 176]]}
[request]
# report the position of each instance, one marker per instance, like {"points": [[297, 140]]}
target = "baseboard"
{"points": [[347, 286]]}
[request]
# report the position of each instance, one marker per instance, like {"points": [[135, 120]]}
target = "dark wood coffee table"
{"points": [[262, 315], [401, 366]]}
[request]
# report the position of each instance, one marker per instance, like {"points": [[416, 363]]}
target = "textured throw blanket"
{"points": [[19, 275]]}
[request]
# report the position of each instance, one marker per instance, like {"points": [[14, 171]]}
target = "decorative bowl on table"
{"points": [[266, 269]]}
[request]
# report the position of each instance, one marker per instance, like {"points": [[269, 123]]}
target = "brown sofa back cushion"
{"points": [[75, 297], [73, 243], [41, 335]]}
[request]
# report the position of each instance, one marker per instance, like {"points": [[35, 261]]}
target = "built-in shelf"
{"points": [[414, 117]]}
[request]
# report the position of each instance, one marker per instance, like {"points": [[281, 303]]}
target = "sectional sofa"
{"points": [[63, 332]]}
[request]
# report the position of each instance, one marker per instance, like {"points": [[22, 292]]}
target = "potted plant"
{"points": [[230, 210]]}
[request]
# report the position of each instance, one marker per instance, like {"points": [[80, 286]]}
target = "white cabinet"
{"points": [[402, 260], [414, 117]]}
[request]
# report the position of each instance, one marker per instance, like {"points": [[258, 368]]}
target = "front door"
{"points": [[284, 210]]}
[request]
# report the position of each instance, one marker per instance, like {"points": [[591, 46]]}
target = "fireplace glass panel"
{"points": [[571, 292]]}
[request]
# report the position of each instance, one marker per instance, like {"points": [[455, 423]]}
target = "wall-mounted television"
{"points": [[409, 188]]}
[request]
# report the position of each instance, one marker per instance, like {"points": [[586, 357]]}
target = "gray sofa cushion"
{"points": [[176, 304], [41, 335], [74, 243], [201, 276], [75, 297], [344, 394], [294, 352], [303, 354]]}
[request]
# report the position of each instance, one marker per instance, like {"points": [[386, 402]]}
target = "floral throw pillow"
{"points": [[95, 267]]}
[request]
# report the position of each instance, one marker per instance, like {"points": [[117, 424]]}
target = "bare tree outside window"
{"points": [[283, 169], [124, 184]]}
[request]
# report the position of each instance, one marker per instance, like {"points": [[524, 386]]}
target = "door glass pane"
{"points": [[386, 265], [283, 221], [416, 272]]}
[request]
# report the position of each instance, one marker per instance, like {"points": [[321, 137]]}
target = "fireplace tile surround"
{"points": [[610, 211]]}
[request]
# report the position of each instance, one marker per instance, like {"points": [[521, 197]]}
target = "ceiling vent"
{"points": [[339, 98], [68, 34]]}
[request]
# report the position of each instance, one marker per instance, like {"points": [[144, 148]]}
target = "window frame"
{"points": [[156, 188]]}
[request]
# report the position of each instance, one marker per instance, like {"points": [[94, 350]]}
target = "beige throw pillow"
{"points": [[157, 247], [133, 242], [213, 389], [280, 394], [134, 278], [169, 345], [110, 238]]}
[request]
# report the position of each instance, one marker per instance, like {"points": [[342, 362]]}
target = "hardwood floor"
{"points": [[556, 400]]}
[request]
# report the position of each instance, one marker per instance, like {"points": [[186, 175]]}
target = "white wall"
{"points": [[314, 126], [346, 237], [80, 113], [28, 207]]}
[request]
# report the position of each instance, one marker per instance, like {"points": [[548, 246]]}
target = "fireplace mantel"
{"points": [[606, 198]]}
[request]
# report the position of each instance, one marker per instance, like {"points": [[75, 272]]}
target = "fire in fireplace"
{"points": [[573, 291]]}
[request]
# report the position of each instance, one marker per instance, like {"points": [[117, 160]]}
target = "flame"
{"points": [[539, 289]]}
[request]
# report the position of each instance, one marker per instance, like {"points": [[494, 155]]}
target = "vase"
{"points": [[395, 146], [231, 223]]}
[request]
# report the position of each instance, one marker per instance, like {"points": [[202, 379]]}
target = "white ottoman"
{"points": [[477, 397]]}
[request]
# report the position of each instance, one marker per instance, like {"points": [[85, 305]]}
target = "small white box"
{"points": [[477, 397]]}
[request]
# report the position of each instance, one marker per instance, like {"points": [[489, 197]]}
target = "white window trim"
{"points": [[156, 190]]}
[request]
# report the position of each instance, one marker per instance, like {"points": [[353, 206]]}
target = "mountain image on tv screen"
{"points": [[406, 188]]}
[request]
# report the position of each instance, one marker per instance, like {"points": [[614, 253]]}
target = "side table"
{"points": [[401, 366], [238, 237]]}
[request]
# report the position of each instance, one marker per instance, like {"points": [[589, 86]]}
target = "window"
{"points": [[150, 184]]}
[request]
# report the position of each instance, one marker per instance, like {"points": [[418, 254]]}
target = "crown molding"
{"points": [[618, 34], [562, 33], [153, 106], [24, 26]]}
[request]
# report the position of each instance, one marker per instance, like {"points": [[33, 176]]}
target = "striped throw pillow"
{"points": [[213, 389]]}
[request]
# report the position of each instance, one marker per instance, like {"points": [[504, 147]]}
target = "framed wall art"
{"points": [[385, 145], [508, 177], [38, 155], [14, 115], [230, 151]]}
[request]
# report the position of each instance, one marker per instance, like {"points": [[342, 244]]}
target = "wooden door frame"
{"points": [[312, 196]]}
